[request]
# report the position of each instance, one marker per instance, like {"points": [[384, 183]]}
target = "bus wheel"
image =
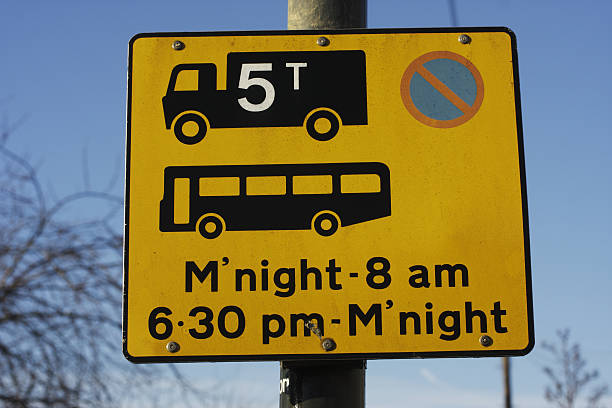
{"points": [[322, 119], [190, 128], [210, 226], [326, 223]]}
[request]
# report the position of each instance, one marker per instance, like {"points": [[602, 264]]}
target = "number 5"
{"points": [[246, 82]]}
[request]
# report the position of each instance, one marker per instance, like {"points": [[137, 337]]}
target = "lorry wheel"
{"points": [[210, 226], [325, 116], [194, 125], [326, 223]]}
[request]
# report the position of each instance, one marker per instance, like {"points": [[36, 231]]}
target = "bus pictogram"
{"points": [[322, 197], [320, 90]]}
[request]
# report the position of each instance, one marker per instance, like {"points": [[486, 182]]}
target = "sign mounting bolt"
{"points": [[323, 41], [465, 39], [486, 340], [328, 344], [178, 45], [173, 347]]}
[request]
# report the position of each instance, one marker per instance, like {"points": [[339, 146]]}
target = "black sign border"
{"points": [[336, 356]]}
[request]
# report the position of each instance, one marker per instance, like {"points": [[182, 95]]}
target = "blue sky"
{"points": [[63, 71]]}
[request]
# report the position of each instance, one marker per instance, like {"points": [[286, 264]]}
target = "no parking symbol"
{"points": [[442, 89]]}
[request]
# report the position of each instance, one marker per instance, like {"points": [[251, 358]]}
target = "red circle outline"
{"points": [[411, 107]]}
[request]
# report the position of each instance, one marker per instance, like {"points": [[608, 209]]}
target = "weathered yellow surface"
{"points": [[456, 198]]}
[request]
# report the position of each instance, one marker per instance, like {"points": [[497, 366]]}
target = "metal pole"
{"points": [[507, 391], [326, 14], [453, 13], [324, 384]]}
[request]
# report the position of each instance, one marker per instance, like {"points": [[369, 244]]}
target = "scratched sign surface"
{"points": [[286, 200]]}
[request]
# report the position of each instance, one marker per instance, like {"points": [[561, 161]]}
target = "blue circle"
{"points": [[456, 76]]}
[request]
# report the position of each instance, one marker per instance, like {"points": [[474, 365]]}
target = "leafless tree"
{"points": [[569, 376], [60, 301]]}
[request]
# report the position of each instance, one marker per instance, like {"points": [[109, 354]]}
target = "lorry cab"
{"points": [[319, 90]]}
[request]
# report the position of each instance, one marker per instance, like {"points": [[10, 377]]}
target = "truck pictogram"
{"points": [[320, 90]]}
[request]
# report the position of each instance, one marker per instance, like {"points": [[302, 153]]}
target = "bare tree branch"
{"points": [[569, 376], [60, 300]]}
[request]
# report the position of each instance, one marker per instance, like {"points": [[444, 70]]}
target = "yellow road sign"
{"points": [[361, 199]]}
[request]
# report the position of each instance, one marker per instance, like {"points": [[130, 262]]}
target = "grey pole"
{"points": [[326, 14], [507, 389], [335, 383]]}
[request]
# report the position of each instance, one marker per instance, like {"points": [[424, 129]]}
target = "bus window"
{"points": [[359, 183], [320, 184], [187, 80], [219, 186], [181, 200], [266, 185]]}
